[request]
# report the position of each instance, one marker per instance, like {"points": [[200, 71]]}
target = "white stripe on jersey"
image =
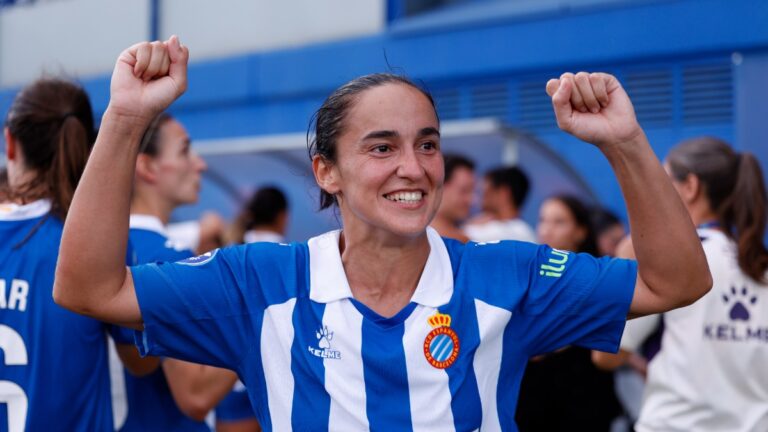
{"points": [[344, 378], [277, 327], [491, 322], [428, 386]]}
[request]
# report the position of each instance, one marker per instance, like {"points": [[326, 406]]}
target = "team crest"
{"points": [[441, 346]]}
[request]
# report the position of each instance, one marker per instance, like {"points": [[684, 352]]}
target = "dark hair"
{"points": [[512, 178], [329, 119], [151, 138], [734, 185], [453, 161], [603, 219], [581, 216], [263, 208], [52, 122]]}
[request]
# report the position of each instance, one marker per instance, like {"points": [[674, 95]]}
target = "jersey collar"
{"points": [[328, 282], [148, 223], [16, 212]]}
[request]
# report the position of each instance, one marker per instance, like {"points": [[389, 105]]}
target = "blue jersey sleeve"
{"points": [[209, 309], [577, 299], [557, 298]]}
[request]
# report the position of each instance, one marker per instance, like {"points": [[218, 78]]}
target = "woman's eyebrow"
{"points": [[381, 134]]}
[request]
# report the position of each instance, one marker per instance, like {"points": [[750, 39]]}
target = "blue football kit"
{"points": [[150, 403], [54, 373], [314, 358]]}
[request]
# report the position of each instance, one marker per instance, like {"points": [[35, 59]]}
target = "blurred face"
{"points": [[493, 197], [388, 176], [458, 195], [178, 167], [609, 239], [557, 227]]}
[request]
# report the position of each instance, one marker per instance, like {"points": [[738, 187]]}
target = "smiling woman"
{"points": [[382, 324]]}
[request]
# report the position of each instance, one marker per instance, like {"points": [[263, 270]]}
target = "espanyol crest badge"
{"points": [[441, 346]]}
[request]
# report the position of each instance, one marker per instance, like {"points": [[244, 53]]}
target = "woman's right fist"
{"points": [[147, 78]]}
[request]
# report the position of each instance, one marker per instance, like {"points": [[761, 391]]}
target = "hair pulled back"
{"points": [[150, 141], [52, 122], [329, 124], [734, 185]]}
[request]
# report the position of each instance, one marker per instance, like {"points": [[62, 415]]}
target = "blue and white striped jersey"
{"points": [[54, 373], [314, 358]]}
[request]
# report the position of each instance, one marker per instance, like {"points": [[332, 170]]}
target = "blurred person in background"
{"points": [[382, 325], [177, 395], [629, 380], [458, 195], [201, 235], [263, 219], [609, 231], [54, 373], [564, 391], [710, 373], [504, 192]]}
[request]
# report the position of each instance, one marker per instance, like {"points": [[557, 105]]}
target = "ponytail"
{"points": [[52, 122], [744, 213], [68, 164]]}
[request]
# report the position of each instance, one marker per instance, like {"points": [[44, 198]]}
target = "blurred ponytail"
{"points": [[745, 213], [52, 123], [735, 188], [68, 164]]}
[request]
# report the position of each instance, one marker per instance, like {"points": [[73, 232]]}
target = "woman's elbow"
{"points": [[64, 296], [196, 408], [699, 285]]}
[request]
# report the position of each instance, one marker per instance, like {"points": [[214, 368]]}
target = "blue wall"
{"points": [[676, 59]]}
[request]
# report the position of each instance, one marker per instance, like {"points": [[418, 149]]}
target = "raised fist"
{"points": [[148, 77], [594, 108]]}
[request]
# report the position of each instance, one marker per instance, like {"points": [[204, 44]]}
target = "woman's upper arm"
{"points": [[123, 308]]}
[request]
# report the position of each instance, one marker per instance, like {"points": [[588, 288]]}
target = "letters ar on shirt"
{"points": [[13, 294]]}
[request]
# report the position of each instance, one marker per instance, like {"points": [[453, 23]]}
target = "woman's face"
{"points": [[388, 176], [178, 167], [557, 226]]}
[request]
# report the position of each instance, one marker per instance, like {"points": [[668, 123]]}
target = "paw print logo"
{"points": [[324, 337], [739, 300]]}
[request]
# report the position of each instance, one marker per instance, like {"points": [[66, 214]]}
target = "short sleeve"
{"points": [[574, 299], [200, 309]]}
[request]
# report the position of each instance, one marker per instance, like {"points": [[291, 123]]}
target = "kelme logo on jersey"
{"points": [[324, 337], [441, 346], [200, 259], [739, 307], [555, 266]]}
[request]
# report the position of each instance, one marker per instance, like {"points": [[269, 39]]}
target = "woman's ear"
{"points": [[690, 189], [10, 145], [326, 175], [145, 168]]}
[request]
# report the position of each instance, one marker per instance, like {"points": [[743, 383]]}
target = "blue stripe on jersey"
{"points": [[514, 359], [311, 402], [388, 402], [254, 376], [465, 399]]}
